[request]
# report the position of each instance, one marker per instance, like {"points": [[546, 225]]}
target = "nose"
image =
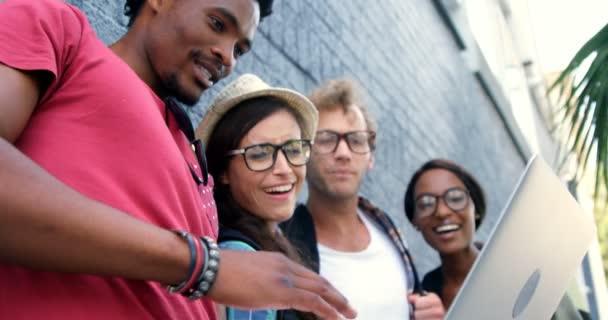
{"points": [[224, 53], [442, 209], [281, 165], [342, 150]]}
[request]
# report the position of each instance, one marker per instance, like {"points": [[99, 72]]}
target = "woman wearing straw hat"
{"points": [[258, 141]]}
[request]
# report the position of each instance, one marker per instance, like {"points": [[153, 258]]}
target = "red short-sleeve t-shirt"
{"points": [[102, 131]]}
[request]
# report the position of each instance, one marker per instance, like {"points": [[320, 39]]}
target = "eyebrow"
{"points": [[234, 21]]}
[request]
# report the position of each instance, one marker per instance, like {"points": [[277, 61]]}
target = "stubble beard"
{"points": [[174, 89], [335, 192]]}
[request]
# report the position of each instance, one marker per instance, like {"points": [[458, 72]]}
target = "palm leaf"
{"points": [[583, 107]]}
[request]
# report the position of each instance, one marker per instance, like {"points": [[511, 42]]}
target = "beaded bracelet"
{"points": [[208, 275]]}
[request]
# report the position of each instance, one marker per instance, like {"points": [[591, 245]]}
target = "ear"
{"points": [[156, 5], [370, 163], [224, 178]]}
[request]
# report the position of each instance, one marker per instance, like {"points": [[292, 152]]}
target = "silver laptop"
{"points": [[531, 255]]}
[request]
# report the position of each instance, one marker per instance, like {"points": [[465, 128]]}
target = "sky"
{"points": [[561, 27]]}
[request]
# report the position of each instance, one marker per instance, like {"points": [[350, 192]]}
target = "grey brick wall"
{"points": [[427, 101]]}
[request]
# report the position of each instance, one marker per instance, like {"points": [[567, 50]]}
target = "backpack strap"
{"points": [[227, 234]]}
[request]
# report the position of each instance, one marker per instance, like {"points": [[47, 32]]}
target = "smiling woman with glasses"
{"points": [[258, 142], [447, 204]]}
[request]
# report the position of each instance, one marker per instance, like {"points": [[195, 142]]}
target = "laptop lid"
{"points": [[531, 254]]}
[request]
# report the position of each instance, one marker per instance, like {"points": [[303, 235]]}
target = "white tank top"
{"points": [[373, 280]]}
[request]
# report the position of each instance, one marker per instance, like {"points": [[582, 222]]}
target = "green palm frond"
{"points": [[583, 111]]}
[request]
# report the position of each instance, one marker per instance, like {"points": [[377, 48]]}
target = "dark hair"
{"points": [[132, 8], [226, 136], [474, 188]]}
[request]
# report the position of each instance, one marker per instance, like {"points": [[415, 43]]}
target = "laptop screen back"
{"points": [[536, 246]]}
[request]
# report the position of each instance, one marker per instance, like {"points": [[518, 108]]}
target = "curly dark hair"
{"points": [[476, 192], [132, 8]]}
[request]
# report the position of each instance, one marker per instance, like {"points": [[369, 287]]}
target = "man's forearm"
{"points": [[46, 225]]}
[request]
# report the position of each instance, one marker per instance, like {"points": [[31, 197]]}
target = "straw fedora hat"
{"points": [[249, 86]]}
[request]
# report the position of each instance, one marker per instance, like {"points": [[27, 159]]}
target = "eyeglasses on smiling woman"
{"points": [[261, 157], [455, 198]]}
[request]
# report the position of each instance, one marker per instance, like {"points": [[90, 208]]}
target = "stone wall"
{"points": [[428, 103]]}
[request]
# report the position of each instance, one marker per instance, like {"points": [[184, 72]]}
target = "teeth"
{"points": [[277, 189], [447, 228], [206, 73]]}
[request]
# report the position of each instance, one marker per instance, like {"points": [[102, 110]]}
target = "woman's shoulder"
{"points": [[433, 281], [236, 245], [236, 240], [237, 314]]}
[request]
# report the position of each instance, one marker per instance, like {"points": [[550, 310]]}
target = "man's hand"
{"points": [[427, 307], [265, 280]]}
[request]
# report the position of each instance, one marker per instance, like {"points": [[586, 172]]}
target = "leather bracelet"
{"points": [[191, 293], [198, 266], [209, 274], [193, 262]]}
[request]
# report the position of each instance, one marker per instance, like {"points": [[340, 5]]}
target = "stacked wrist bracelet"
{"points": [[204, 264]]}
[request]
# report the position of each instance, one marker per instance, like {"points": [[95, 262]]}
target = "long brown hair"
{"points": [[228, 133]]}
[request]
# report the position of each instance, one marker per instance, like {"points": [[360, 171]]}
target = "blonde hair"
{"points": [[345, 93]]}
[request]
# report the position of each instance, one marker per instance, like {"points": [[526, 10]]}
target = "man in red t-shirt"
{"points": [[96, 169]]}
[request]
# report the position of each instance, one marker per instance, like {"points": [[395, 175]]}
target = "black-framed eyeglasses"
{"points": [[326, 141], [185, 125], [455, 198], [261, 157]]}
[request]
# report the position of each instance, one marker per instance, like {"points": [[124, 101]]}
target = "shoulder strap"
{"points": [[387, 224], [227, 234]]}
